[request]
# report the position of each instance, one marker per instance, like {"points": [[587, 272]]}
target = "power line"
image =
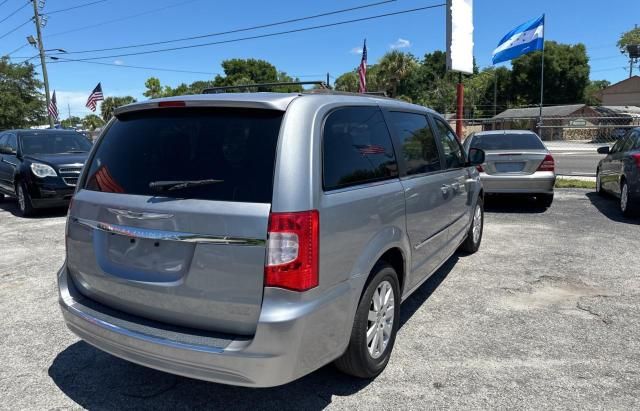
{"points": [[262, 26], [18, 49], [15, 12], [12, 30], [132, 16], [1, 3], [136, 67], [339, 23], [74, 7]]}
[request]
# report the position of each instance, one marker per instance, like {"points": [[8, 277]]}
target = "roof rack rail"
{"points": [[223, 89]]}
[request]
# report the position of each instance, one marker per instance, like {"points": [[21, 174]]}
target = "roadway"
{"points": [[577, 159]]}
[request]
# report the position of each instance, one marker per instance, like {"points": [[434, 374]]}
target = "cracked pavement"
{"points": [[545, 315]]}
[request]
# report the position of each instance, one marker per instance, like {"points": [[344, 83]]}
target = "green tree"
{"points": [[566, 74], [92, 121], [154, 89], [70, 122], [629, 38], [111, 103], [21, 101], [394, 67], [592, 91], [253, 71]]}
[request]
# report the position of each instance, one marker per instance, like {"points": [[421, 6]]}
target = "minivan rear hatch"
{"points": [[170, 220]]}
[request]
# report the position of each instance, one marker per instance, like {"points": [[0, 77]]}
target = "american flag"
{"points": [[96, 95], [53, 107], [371, 149], [362, 70]]}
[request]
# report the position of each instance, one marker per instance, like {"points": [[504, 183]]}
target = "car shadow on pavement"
{"points": [[608, 206], [11, 205], [96, 380], [512, 204]]}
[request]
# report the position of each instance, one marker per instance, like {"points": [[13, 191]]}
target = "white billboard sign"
{"points": [[460, 35]]}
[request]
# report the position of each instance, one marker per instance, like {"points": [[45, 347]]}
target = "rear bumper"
{"points": [[540, 182], [291, 339]]}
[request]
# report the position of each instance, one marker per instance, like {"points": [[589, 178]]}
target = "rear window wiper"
{"points": [[179, 185]]}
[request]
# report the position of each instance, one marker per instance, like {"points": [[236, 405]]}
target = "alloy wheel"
{"points": [[21, 200], [477, 224], [380, 319]]}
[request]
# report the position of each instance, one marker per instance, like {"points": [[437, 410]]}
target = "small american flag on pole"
{"points": [[53, 107], [96, 95], [362, 70]]}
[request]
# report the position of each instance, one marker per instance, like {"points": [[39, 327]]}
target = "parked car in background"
{"points": [[517, 162], [252, 238], [619, 172], [41, 167]]}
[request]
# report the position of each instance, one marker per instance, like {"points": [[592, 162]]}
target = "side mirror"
{"points": [[6, 150], [604, 150], [476, 156]]}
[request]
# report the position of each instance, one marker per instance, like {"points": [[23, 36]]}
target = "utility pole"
{"points": [[69, 109], [36, 19]]}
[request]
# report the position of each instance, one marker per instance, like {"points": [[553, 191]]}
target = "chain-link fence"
{"points": [[574, 141]]}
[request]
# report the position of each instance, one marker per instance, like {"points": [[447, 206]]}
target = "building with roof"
{"points": [[622, 93], [569, 122]]}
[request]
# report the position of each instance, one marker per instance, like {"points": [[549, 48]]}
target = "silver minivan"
{"points": [[251, 238]]}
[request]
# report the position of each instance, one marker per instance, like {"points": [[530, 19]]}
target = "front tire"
{"points": [[628, 209], [24, 200], [474, 235], [375, 325]]}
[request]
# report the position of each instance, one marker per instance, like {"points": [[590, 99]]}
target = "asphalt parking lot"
{"points": [[545, 315]]}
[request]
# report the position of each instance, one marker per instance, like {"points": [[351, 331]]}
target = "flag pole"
{"points": [[542, 76]]}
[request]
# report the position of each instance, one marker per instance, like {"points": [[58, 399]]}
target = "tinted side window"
{"points": [[357, 148], [628, 143], [12, 142], [618, 145], [3, 139], [636, 139], [452, 149], [418, 145]]}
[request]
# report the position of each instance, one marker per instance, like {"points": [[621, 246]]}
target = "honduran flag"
{"points": [[524, 39]]}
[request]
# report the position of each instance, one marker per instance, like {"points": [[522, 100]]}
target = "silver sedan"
{"points": [[517, 162]]}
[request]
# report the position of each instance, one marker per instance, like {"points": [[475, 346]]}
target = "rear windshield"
{"points": [[230, 151], [507, 142], [54, 143]]}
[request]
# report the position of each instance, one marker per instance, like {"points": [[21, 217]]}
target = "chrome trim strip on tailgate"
{"points": [[151, 234]]}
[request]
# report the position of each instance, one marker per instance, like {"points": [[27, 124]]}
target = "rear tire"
{"points": [[544, 200], [474, 235], [368, 352], [24, 200]]}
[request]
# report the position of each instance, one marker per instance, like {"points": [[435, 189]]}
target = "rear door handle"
{"points": [[445, 189]]}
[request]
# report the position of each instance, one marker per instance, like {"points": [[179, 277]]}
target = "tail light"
{"points": [[292, 250], [636, 157], [548, 164], [172, 103]]}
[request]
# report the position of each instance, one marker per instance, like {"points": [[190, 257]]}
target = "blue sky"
{"points": [[309, 54]]}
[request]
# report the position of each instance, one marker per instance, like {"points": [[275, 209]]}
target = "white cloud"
{"points": [[356, 50], [400, 44], [118, 62]]}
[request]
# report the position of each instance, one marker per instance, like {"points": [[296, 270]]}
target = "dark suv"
{"points": [[41, 167]]}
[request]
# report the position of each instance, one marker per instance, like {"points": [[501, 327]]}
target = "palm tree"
{"points": [[111, 103], [91, 122], [394, 67]]}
